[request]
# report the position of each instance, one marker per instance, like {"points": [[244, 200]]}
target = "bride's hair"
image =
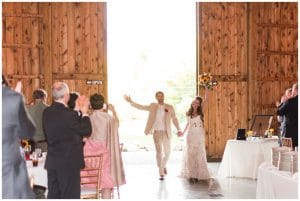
{"points": [[199, 109]]}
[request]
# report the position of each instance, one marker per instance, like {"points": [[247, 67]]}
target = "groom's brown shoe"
{"points": [[165, 171]]}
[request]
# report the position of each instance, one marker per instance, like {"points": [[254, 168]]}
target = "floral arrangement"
{"points": [[269, 132], [249, 133], [205, 81], [25, 142]]}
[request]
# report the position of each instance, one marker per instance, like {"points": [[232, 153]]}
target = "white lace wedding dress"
{"points": [[194, 155]]}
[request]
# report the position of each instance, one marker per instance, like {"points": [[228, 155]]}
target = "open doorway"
{"points": [[151, 46]]}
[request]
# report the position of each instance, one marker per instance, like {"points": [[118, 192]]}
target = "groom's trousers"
{"points": [[163, 148]]}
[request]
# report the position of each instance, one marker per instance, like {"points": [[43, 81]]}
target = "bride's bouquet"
{"points": [[205, 80]]}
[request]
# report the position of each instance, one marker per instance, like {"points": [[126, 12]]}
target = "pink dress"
{"points": [[92, 148], [105, 139]]}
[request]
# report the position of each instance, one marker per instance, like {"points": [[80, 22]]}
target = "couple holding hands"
{"points": [[194, 165]]}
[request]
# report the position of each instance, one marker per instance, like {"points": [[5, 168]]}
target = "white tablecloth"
{"points": [[242, 158], [38, 173], [275, 184]]}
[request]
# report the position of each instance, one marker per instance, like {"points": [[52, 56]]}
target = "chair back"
{"points": [[287, 142], [90, 177]]}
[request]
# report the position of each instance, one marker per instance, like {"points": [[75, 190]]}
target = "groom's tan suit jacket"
{"points": [[152, 108]]}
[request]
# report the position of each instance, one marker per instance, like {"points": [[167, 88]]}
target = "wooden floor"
{"points": [[143, 181]]}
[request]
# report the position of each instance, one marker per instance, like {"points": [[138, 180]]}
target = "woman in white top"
{"points": [[194, 165]]}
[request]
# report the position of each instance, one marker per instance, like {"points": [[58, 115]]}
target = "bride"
{"points": [[194, 165]]}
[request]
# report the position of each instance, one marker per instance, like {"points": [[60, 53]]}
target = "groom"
{"points": [[159, 124]]}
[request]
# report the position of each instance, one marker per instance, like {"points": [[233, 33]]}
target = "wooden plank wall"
{"points": [[274, 53], [251, 49], [78, 45], [222, 53], [48, 42], [21, 45]]}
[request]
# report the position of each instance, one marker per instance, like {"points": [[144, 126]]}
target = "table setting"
{"points": [[242, 158]]}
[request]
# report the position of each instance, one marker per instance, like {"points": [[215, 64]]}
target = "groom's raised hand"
{"points": [[127, 98]]}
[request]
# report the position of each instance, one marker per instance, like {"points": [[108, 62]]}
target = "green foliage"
{"points": [[182, 89]]}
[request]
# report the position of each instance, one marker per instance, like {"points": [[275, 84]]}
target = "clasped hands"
{"points": [[82, 104]]}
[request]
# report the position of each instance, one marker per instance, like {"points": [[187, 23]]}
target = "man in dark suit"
{"points": [[16, 124], [64, 131], [290, 110]]}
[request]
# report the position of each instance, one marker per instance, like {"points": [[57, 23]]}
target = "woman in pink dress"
{"points": [[104, 139]]}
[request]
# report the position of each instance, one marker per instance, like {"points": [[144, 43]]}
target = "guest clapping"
{"points": [[64, 130], [289, 109], [281, 119], [105, 140], [73, 98]]}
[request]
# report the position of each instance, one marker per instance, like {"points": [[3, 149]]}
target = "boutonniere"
{"points": [[166, 110]]}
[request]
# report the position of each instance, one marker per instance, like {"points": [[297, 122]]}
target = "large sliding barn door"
{"points": [[222, 52], [274, 53], [251, 49], [48, 42], [78, 46], [22, 45]]}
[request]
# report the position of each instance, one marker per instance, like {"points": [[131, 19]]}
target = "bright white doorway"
{"points": [[151, 46]]}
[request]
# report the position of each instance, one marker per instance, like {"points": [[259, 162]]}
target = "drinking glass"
{"points": [[27, 150], [39, 152], [34, 158]]}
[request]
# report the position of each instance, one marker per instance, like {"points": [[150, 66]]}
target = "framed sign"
{"points": [[261, 123]]}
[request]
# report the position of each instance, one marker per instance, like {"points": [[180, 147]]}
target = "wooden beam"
{"points": [[230, 78], [105, 89], [7, 45], [268, 52], [198, 44], [45, 9], [78, 76], [25, 76], [23, 15], [273, 105], [293, 26], [270, 79]]}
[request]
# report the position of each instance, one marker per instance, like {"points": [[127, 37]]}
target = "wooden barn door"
{"points": [[274, 56], [22, 45], [78, 46], [222, 52], [48, 42], [251, 50]]}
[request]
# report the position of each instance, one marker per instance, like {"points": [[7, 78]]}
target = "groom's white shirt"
{"points": [[168, 116]]}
